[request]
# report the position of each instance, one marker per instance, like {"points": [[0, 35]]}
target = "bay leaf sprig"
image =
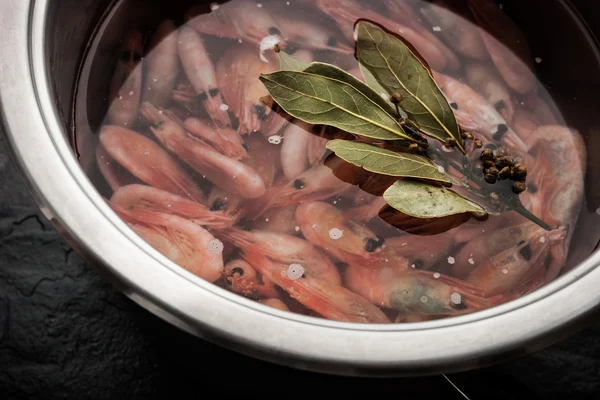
{"points": [[399, 105]]}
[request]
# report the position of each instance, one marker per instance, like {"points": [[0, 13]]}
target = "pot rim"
{"points": [[64, 193]]}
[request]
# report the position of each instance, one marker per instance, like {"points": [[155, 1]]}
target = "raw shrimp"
{"points": [[416, 292], [288, 250], [485, 80], [113, 173], [143, 197], [511, 57], [180, 240], [237, 73], [238, 20], [231, 205], [275, 303], [263, 157], [517, 267], [419, 253], [294, 150], [279, 220], [347, 12], [201, 73], [226, 140], [243, 279], [126, 84], [227, 173], [460, 33], [524, 123], [148, 162], [490, 122], [162, 65], [324, 225], [332, 301]]}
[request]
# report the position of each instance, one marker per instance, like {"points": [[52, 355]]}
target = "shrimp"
{"points": [[226, 140], [238, 20], [201, 73], [148, 162], [516, 267], [227, 173], [559, 175], [237, 73], [227, 203], [512, 57], [113, 173], [243, 279], [329, 228], [294, 150], [460, 33], [524, 123], [126, 84], [279, 220], [485, 81], [143, 197], [263, 157], [178, 239], [275, 303], [162, 65], [286, 249], [490, 122], [347, 12], [416, 292], [331, 301], [420, 254]]}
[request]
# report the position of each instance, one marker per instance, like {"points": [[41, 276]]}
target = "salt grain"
{"points": [[275, 139], [456, 298], [131, 93], [413, 266], [297, 229], [295, 271], [505, 271], [437, 29], [215, 246], [223, 107], [436, 275], [543, 239], [451, 260], [335, 233]]}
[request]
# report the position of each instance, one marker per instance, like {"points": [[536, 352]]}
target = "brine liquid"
{"points": [[409, 272]]}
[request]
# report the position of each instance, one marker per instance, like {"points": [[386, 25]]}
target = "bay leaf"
{"points": [[386, 162], [326, 95], [399, 70], [291, 63], [421, 200]]}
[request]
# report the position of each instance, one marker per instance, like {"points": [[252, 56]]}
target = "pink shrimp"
{"points": [[237, 73], [524, 123], [263, 157], [244, 280], [143, 197], [485, 80], [229, 204], [113, 173], [517, 267], [226, 140], [178, 239], [420, 254], [148, 162], [162, 65], [279, 220], [347, 12], [491, 124], [332, 301], [227, 173], [201, 73], [296, 137], [286, 249], [416, 292], [275, 303], [126, 84], [237, 20], [511, 57], [324, 225]]}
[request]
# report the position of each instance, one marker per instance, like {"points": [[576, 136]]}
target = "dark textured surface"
{"points": [[65, 333]]}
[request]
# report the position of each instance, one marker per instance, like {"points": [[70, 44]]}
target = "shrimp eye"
{"points": [[373, 244], [500, 105], [261, 111], [526, 252], [274, 31], [245, 146], [454, 105], [203, 96], [218, 205], [238, 271], [125, 55], [213, 92], [332, 41], [299, 184], [502, 129]]}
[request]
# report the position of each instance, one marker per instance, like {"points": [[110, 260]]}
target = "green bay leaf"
{"points": [[291, 63], [421, 200], [386, 162], [326, 95], [399, 70]]}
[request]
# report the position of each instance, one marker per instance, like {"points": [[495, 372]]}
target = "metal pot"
{"points": [[43, 42]]}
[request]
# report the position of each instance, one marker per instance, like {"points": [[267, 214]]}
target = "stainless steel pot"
{"points": [[42, 46]]}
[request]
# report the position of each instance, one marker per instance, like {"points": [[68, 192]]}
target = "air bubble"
{"points": [[505, 271], [335, 233], [436, 275], [223, 107], [437, 29], [424, 299], [451, 260], [471, 261], [456, 298], [275, 139], [295, 271]]}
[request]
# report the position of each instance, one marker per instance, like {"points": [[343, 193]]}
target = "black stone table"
{"points": [[66, 333]]}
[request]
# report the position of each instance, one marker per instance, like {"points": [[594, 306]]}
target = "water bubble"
{"points": [[437, 29], [436, 275], [441, 169], [297, 229], [275, 139], [215, 246], [456, 298], [223, 107], [451, 260], [214, 6], [295, 271], [424, 299], [335, 233], [131, 93], [505, 271], [543, 239], [471, 261]]}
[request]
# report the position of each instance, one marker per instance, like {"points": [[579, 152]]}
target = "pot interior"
{"points": [[81, 59]]}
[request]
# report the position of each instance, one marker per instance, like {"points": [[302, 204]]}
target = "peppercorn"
{"points": [[490, 178], [519, 187], [478, 143], [493, 171], [276, 48], [486, 154], [450, 143], [519, 172], [396, 98], [413, 148], [504, 173], [503, 161], [494, 198], [488, 164]]}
